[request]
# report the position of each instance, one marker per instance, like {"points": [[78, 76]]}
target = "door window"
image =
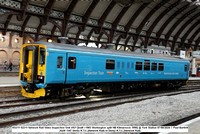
{"points": [[59, 62], [42, 56], [72, 63]]}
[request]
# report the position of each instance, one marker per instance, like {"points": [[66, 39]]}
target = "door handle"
{"points": [[63, 70]]}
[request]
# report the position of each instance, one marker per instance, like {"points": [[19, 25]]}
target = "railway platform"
{"points": [[9, 86], [194, 78], [9, 73]]}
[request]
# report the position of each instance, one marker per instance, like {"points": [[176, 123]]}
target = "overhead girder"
{"points": [[193, 36], [134, 43], [24, 5], [38, 30], [47, 10], [53, 30], [86, 17], [100, 36], [90, 34], [183, 39], [126, 42], [178, 22], [118, 39], [67, 15], [105, 14], [28, 13], [119, 17], [6, 24], [147, 17], [186, 24], [197, 43], [152, 41], [116, 22], [24, 25], [159, 18], [160, 31], [89, 12], [78, 34], [189, 31], [186, 34], [56, 24], [43, 20], [136, 14]]}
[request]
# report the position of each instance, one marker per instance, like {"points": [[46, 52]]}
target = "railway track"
{"points": [[182, 120], [29, 102], [13, 118], [15, 101]]}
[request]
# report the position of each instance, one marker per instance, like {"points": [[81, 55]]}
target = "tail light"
{"points": [[40, 79]]}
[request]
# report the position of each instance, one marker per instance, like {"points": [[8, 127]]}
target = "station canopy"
{"points": [[130, 24]]}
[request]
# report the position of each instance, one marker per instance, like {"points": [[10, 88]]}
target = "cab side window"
{"points": [[59, 62], [72, 63], [42, 56]]}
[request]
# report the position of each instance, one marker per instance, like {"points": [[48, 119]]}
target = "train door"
{"points": [[61, 69], [71, 73], [187, 70], [30, 59]]}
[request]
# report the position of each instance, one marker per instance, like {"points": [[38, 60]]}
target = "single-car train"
{"points": [[54, 69]]}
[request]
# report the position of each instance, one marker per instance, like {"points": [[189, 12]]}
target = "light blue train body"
{"points": [[77, 68]]}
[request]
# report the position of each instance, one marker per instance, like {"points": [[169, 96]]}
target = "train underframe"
{"points": [[87, 89]]}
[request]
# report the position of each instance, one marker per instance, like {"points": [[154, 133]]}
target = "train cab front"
{"points": [[32, 70]]}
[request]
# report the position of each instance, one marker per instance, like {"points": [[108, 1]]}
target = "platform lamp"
{"points": [[50, 40]]}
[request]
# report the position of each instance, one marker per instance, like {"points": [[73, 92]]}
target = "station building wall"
{"points": [[10, 46]]}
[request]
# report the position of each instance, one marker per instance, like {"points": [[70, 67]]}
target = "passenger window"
{"points": [[186, 68], [123, 65], [59, 62], [118, 65], [128, 64], [146, 65], [138, 65], [72, 63], [154, 66], [160, 67], [42, 56], [132, 65], [110, 64]]}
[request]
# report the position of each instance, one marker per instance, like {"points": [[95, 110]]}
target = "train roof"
{"points": [[70, 47]]}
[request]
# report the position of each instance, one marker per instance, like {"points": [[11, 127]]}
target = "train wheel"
{"points": [[87, 95], [89, 92], [171, 86]]}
